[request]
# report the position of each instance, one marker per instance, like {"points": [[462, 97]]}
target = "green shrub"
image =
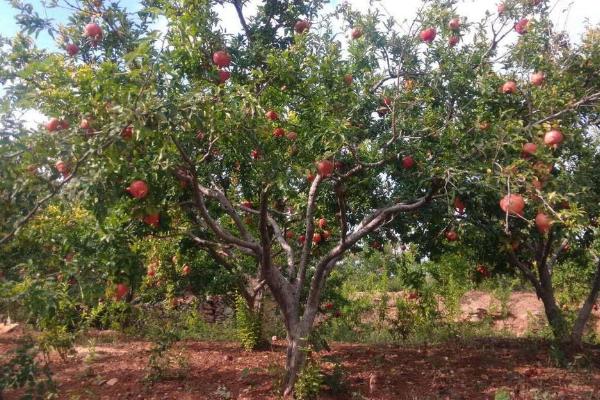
{"points": [[248, 325], [309, 381]]}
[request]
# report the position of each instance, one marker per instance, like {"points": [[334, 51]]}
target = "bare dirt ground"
{"points": [[115, 367]]}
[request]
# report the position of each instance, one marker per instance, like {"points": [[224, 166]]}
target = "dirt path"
{"points": [[223, 371]]}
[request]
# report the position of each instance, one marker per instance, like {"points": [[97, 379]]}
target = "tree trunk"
{"points": [[586, 309], [554, 315], [296, 357]]}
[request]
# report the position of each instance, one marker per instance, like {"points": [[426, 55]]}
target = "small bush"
{"points": [[248, 325], [309, 381]]}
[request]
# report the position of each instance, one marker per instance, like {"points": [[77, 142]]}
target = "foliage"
{"points": [[309, 382], [248, 325], [25, 370]]}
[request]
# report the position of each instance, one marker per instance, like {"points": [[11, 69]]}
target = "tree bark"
{"points": [[585, 311], [296, 357]]}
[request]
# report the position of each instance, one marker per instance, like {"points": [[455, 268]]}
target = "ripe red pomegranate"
{"points": [[185, 271], [543, 223], [247, 204], [459, 205], [121, 291], [408, 162], [200, 135], [322, 223], [325, 168], [151, 273], [356, 33], [554, 138], [255, 154], [501, 8], [53, 125], [453, 40], [85, 124], [529, 149], [289, 235], [138, 189], [454, 24], [152, 220], [452, 236], [414, 295], [279, 132], [127, 132], [310, 177], [348, 79], [301, 26], [484, 126], [291, 135], [93, 31], [72, 49], [537, 79], [224, 76], [62, 167], [221, 59], [328, 305], [512, 204], [522, 26], [509, 87], [316, 238], [272, 115], [536, 183], [302, 239], [387, 101], [428, 35], [63, 124]]}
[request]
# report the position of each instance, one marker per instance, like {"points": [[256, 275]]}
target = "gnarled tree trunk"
{"points": [[586, 310]]}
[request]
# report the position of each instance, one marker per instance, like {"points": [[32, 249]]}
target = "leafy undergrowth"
{"points": [[477, 369]]}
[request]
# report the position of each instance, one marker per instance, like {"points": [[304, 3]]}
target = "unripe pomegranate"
{"points": [[512, 204], [301, 26], [554, 138], [509, 87], [221, 58], [72, 49], [408, 162], [428, 35], [325, 168], [484, 126], [138, 189], [543, 223]]}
